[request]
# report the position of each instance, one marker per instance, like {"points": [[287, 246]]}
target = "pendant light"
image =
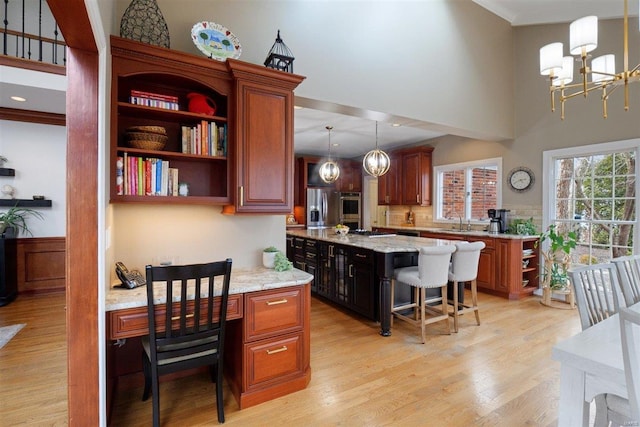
{"points": [[329, 171], [376, 162]]}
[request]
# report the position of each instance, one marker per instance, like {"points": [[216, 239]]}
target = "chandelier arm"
{"points": [[590, 89]]}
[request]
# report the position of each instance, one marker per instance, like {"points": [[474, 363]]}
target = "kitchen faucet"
{"points": [[454, 214]]}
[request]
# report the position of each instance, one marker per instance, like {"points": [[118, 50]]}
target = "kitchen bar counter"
{"points": [[389, 252], [455, 231]]}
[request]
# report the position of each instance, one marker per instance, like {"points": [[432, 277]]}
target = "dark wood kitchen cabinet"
{"points": [[350, 179], [264, 176], [389, 184], [408, 181], [251, 173], [416, 177]]}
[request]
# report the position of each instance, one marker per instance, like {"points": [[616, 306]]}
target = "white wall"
{"points": [[439, 61], [38, 154]]}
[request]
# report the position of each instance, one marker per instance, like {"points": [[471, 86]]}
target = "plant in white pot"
{"points": [[269, 256]]}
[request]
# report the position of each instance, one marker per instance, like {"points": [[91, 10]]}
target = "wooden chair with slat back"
{"points": [[629, 276], [187, 330], [597, 292]]}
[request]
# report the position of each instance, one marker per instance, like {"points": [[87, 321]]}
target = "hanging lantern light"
{"points": [[329, 171], [376, 162]]}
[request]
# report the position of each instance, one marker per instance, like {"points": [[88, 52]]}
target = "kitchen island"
{"points": [[346, 268], [267, 346]]}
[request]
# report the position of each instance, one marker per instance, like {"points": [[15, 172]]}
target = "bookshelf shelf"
{"points": [[25, 203]]}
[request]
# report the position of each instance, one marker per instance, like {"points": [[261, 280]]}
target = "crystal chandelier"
{"points": [[583, 39], [376, 162], [329, 171]]}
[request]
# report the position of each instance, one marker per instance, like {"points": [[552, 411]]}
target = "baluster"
{"points": [[54, 55], [40, 31], [6, 23], [22, 33]]}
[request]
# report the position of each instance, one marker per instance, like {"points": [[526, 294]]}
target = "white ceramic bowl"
{"points": [[342, 230]]}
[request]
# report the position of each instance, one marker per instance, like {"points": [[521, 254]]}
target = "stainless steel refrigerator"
{"points": [[322, 207]]}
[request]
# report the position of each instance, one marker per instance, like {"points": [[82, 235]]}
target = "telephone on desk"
{"points": [[130, 279]]}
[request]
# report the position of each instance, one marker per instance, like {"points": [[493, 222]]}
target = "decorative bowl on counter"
{"points": [[342, 230]]}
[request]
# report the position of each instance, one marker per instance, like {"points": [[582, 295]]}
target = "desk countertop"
{"points": [[242, 281]]}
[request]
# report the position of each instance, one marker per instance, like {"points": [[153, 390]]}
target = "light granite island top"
{"points": [[243, 280], [380, 243]]}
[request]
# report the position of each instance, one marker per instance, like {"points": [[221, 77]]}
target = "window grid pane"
{"points": [[595, 196]]}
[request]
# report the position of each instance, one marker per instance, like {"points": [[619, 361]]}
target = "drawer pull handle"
{"points": [[280, 301], [278, 350], [178, 317]]}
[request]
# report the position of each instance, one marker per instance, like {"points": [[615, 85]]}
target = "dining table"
{"points": [[591, 363]]}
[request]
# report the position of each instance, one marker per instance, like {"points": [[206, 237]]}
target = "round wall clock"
{"points": [[521, 179]]}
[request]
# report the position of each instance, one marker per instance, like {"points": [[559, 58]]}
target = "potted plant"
{"points": [[16, 218], [557, 256], [269, 256]]}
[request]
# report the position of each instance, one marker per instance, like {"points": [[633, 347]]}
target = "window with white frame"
{"points": [[467, 190], [592, 192]]}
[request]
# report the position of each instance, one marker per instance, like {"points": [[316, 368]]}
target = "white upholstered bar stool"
{"points": [[431, 272], [464, 268]]}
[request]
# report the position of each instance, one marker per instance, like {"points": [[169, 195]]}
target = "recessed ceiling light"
{"points": [[396, 125], [297, 107], [18, 98]]}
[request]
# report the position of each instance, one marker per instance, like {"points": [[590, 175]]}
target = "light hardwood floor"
{"points": [[497, 374]]}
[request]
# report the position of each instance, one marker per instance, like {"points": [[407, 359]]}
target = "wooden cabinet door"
{"points": [[263, 126], [411, 179], [486, 269], [265, 150], [389, 184], [363, 282], [416, 179]]}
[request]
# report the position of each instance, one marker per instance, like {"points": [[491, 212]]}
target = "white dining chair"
{"points": [[597, 289], [630, 337], [629, 275], [431, 272]]}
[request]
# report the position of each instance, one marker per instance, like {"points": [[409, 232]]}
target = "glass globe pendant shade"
{"points": [[329, 171], [376, 163]]}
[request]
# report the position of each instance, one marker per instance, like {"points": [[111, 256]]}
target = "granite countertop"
{"points": [[476, 233], [242, 281], [384, 244]]}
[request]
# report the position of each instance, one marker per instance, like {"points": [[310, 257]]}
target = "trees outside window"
{"points": [[593, 193]]}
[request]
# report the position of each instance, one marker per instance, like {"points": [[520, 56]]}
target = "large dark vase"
{"points": [[8, 266]]}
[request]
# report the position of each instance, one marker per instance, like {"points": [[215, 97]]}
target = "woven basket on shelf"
{"points": [[148, 129], [146, 141]]}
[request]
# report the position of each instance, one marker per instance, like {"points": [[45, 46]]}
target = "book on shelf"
{"points": [[120, 175], [205, 139], [156, 100], [146, 176]]}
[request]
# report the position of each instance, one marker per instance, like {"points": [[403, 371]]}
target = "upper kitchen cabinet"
{"points": [[235, 150], [389, 190], [350, 176], [416, 176], [264, 165]]}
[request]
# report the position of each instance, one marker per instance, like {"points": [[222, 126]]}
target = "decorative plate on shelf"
{"points": [[215, 41]]}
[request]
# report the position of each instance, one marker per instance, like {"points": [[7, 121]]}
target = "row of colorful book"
{"points": [[138, 176], [156, 100], [206, 138]]}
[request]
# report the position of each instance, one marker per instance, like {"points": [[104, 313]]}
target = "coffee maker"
{"points": [[494, 221], [498, 220]]}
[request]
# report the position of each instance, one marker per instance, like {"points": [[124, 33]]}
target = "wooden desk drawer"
{"points": [[274, 360], [133, 322], [273, 312]]}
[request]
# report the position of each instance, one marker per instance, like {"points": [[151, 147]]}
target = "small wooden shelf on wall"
{"points": [[7, 172], [25, 203]]}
